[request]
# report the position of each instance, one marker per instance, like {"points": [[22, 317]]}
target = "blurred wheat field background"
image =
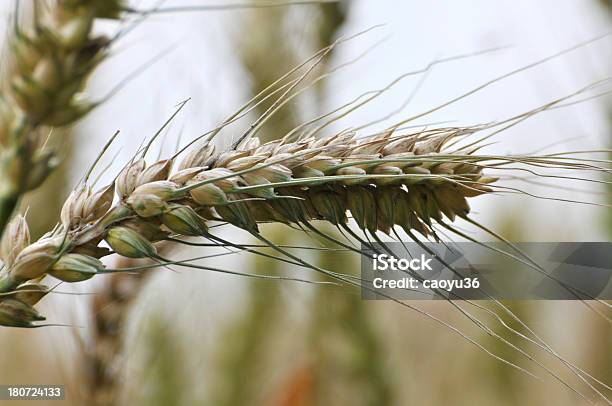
{"points": [[193, 337]]}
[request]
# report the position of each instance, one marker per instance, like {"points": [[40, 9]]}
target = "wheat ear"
{"points": [[383, 181], [52, 61]]}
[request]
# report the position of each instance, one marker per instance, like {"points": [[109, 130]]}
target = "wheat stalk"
{"points": [[103, 357], [52, 61], [245, 344]]}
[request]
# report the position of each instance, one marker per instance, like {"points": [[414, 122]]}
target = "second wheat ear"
{"points": [[52, 60]]}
